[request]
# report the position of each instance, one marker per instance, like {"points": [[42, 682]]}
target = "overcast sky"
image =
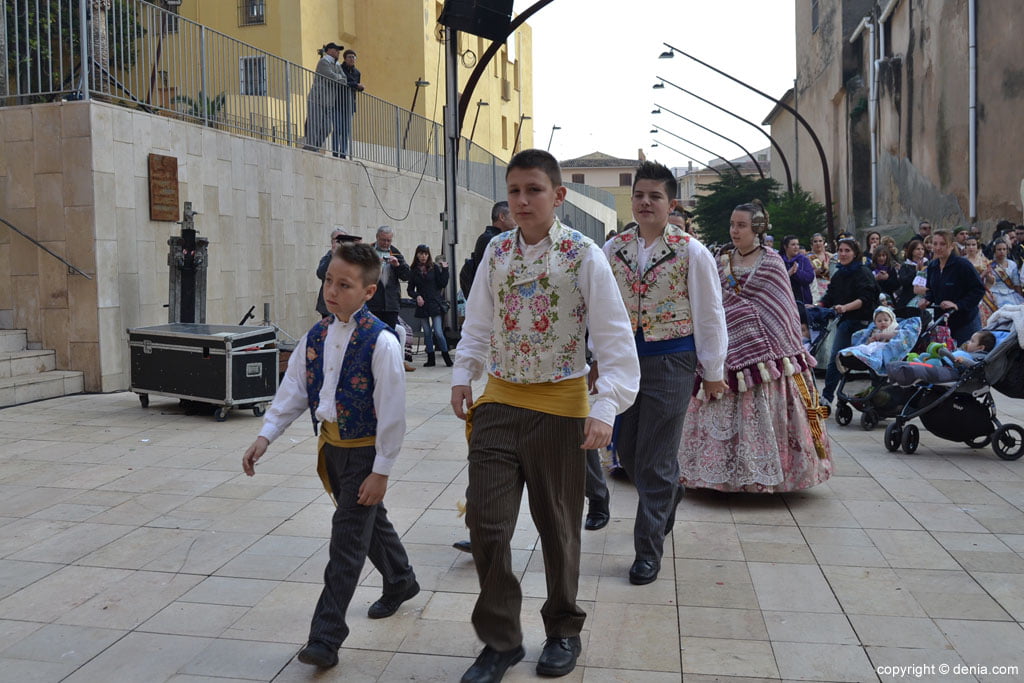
{"points": [[594, 62]]}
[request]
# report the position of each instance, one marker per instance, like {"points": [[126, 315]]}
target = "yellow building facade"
{"points": [[398, 43]]}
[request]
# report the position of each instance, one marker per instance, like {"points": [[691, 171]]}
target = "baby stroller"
{"points": [[963, 410], [880, 399], [820, 323]]}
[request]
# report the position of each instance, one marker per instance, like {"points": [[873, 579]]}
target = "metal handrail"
{"points": [[45, 248]]}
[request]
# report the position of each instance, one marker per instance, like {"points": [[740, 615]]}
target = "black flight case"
{"points": [[230, 366]]}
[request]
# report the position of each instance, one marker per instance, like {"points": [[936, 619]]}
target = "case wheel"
{"points": [[844, 414], [144, 400], [259, 409], [222, 413], [1008, 442], [893, 437], [911, 438]]}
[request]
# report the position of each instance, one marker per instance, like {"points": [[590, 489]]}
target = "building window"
{"points": [[516, 75], [814, 16], [504, 132], [625, 179], [252, 75], [515, 136], [578, 178], [252, 12]]}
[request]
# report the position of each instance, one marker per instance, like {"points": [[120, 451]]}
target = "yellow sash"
{"points": [[567, 398], [329, 434]]}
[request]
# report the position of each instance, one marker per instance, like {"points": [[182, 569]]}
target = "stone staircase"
{"points": [[28, 375]]}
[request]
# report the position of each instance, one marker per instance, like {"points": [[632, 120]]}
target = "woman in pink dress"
{"points": [[767, 433]]}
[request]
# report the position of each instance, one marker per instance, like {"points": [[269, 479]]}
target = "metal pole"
{"points": [[288, 102], [759, 129], [689, 157], [83, 43], [826, 180], [691, 142], [203, 94], [715, 132], [450, 231]]}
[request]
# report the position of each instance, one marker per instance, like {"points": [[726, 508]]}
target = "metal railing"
{"points": [[149, 58], [71, 268]]}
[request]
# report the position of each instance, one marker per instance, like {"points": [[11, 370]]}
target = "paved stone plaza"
{"points": [[132, 548]]}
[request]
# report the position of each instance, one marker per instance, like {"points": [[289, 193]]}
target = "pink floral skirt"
{"points": [[757, 441]]}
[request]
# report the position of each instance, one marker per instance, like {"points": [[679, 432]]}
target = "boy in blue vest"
{"points": [[347, 371]]}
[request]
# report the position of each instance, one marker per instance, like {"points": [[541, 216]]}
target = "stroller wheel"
{"points": [[1008, 442], [844, 414], [979, 441], [911, 437], [868, 420], [893, 437]]}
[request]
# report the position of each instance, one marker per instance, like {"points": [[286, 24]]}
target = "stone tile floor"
{"points": [[132, 548]]}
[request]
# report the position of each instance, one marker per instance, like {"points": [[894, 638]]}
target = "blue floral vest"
{"points": [[357, 417]]}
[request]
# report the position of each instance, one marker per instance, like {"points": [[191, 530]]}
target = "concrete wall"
{"points": [[74, 176]]}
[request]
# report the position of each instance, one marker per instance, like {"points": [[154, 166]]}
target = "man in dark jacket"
{"points": [[386, 301], [338, 236], [347, 106], [501, 220]]}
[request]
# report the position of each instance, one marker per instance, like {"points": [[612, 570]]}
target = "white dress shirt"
{"points": [[610, 332], [704, 287], [291, 399]]}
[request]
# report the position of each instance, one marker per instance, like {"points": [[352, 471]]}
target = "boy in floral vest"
{"points": [[347, 371], [528, 311], [670, 285]]}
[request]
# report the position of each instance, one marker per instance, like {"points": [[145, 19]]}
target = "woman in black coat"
{"points": [[853, 295], [426, 285], [953, 286]]}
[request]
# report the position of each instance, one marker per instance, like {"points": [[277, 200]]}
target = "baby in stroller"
{"points": [[882, 342], [948, 366]]}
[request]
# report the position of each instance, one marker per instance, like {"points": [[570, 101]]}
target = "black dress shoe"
{"points": [[318, 654], [559, 656], [464, 546], [643, 572], [491, 665], [389, 604], [596, 519]]}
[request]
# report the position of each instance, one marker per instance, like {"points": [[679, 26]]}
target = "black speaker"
{"points": [[487, 18]]}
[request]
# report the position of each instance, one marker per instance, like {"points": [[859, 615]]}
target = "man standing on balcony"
{"points": [[343, 127], [322, 103]]}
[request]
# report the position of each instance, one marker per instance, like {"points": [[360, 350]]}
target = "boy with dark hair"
{"points": [[539, 290], [670, 285], [347, 371]]}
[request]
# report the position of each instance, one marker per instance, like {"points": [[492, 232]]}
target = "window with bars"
{"points": [[252, 12], [578, 178], [252, 75], [625, 179], [814, 15]]}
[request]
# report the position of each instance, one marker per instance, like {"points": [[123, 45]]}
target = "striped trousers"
{"points": [[357, 532], [510, 447]]}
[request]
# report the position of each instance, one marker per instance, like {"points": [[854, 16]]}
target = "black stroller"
{"points": [[881, 399], [963, 410]]}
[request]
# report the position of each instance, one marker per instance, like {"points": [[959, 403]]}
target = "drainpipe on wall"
{"points": [[972, 95], [873, 121]]}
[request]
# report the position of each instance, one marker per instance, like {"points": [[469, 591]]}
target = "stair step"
{"points": [[28, 388], [13, 340], [29, 362]]}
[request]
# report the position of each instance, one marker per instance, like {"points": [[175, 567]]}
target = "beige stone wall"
{"points": [[74, 175]]}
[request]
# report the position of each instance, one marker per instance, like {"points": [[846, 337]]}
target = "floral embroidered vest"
{"points": [[537, 332], [657, 299], [357, 417]]}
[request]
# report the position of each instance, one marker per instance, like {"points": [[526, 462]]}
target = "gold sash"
{"points": [[567, 398], [329, 434]]}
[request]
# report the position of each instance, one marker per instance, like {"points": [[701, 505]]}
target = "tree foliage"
{"points": [[713, 210], [796, 214]]}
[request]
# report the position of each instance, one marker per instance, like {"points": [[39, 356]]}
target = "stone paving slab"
{"points": [[132, 548]]}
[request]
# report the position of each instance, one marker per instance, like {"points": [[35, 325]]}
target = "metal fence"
{"points": [[149, 58]]}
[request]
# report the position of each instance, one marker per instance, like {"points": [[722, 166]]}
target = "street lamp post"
{"points": [[552, 136], [656, 143], [691, 142], [479, 103], [420, 83], [759, 129], [715, 132], [519, 130], [829, 217]]}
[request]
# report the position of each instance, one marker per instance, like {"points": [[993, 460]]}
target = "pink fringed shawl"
{"points": [[764, 328]]}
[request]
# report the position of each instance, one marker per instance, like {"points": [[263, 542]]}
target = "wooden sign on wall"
{"points": [[163, 188]]}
